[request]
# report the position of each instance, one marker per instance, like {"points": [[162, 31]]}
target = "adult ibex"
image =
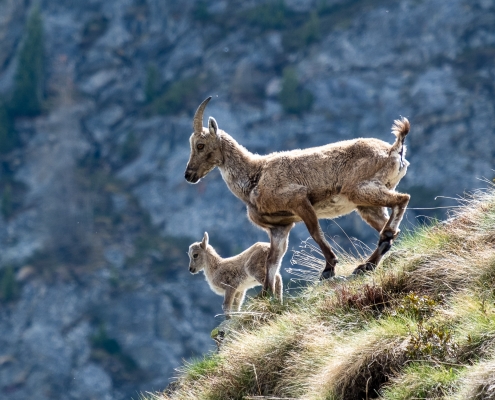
{"points": [[282, 188]]}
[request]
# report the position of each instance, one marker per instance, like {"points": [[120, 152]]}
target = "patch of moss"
{"points": [[309, 32], [270, 15], [28, 92], [9, 287], [108, 352], [176, 95], [93, 29], [293, 97]]}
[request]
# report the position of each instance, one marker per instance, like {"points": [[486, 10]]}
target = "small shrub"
{"points": [[7, 204], [28, 82], [12, 193], [151, 85], [109, 354], [176, 96], [9, 288], [431, 341], [200, 11], [271, 15], [93, 29], [294, 98], [8, 137], [165, 256], [416, 306], [308, 33], [100, 340]]}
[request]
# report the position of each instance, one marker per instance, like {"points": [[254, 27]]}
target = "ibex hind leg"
{"points": [[376, 215]]}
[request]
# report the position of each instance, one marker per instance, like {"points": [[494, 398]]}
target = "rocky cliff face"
{"points": [[100, 303]]}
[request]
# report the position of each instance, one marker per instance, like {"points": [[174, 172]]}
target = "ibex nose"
{"points": [[190, 176], [191, 270]]}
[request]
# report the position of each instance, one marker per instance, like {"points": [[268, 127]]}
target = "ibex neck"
{"points": [[214, 261], [240, 169]]}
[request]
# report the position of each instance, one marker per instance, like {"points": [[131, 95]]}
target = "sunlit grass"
{"points": [[423, 381], [421, 326]]}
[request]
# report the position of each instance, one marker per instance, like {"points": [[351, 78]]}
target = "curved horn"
{"points": [[198, 116]]}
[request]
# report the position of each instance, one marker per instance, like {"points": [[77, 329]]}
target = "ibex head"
{"points": [[197, 255], [205, 146]]}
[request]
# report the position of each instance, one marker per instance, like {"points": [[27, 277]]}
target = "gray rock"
{"points": [[89, 382], [101, 123], [98, 81]]}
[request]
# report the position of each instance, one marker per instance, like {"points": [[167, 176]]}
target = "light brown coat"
{"points": [[282, 188]]}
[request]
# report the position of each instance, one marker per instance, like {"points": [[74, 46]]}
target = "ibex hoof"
{"points": [[363, 268], [327, 274], [384, 247]]}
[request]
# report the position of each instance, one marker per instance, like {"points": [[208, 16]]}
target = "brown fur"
{"points": [[233, 276], [282, 188]]}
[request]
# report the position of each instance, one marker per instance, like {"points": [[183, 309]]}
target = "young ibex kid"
{"points": [[233, 276]]}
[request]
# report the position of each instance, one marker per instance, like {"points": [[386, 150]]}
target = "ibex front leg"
{"points": [[307, 213], [279, 236], [228, 300]]}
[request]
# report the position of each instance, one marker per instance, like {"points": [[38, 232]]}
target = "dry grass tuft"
{"points": [[369, 297], [361, 364], [478, 383]]}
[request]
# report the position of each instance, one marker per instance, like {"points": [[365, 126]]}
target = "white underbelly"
{"points": [[249, 283], [216, 289], [334, 207]]}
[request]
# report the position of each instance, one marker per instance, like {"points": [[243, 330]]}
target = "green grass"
{"points": [[423, 381], [421, 326], [201, 367]]}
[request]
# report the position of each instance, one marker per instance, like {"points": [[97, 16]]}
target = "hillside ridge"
{"points": [[422, 326]]}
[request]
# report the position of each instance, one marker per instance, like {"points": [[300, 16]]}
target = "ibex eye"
{"points": [[195, 255], [200, 146]]}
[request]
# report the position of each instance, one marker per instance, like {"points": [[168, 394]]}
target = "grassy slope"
{"points": [[421, 327]]}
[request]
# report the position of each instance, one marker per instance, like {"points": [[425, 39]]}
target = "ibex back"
{"points": [[282, 188]]}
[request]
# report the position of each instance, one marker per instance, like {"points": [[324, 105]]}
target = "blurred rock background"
{"points": [[96, 108]]}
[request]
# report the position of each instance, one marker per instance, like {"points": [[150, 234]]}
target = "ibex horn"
{"points": [[198, 116]]}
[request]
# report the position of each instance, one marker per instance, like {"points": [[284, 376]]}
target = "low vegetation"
{"points": [[108, 352], [175, 97], [28, 95], [422, 326], [295, 99], [9, 287]]}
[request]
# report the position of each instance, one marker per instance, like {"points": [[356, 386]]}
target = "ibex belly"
{"points": [[333, 207]]}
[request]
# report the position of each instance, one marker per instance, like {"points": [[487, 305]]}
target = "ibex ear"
{"points": [[204, 243], [212, 126]]}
